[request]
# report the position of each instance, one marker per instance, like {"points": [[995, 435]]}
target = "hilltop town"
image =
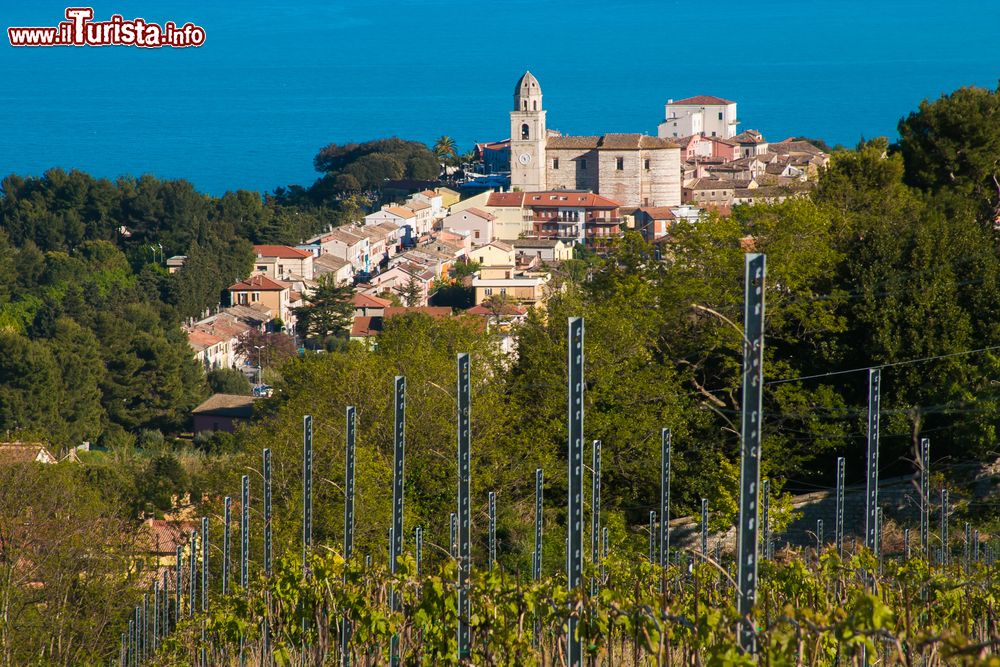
{"points": [[495, 237]]}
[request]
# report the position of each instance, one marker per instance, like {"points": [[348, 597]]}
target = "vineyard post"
{"points": [[944, 527], [165, 616], [925, 498], [245, 533], [604, 554], [704, 526], [418, 545], [204, 587], [595, 509], [307, 518], [144, 633], [652, 536], [396, 534], [765, 519], [345, 628], [537, 560], [491, 510], [266, 624], [819, 537], [906, 544], [574, 516], [193, 574], [966, 551], [664, 506], [751, 415], [123, 653], [178, 584], [839, 510], [227, 515], [462, 521], [453, 535], [975, 547], [130, 652], [871, 508], [156, 615]]}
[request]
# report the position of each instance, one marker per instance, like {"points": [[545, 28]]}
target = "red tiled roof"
{"points": [[400, 211], [364, 326], [701, 100], [505, 199], [283, 251], [367, 301], [428, 193], [507, 309], [24, 452], [658, 212], [259, 284], [480, 213], [163, 537], [560, 198]]}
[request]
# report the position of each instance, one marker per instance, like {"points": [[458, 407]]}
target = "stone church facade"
{"points": [[632, 169]]}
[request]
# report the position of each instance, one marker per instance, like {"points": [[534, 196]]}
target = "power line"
{"points": [[889, 365]]}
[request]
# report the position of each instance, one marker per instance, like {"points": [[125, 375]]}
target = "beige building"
{"points": [[477, 223], [529, 288], [497, 253], [271, 294], [280, 262], [633, 169]]}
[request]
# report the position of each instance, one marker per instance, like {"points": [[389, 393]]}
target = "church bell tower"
{"points": [[527, 136]]}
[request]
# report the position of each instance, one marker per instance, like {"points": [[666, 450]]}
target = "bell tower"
{"points": [[527, 136]]}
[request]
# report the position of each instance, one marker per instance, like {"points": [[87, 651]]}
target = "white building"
{"points": [[704, 114], [477, 223]]}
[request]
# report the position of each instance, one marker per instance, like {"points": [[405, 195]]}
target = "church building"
{"points": [[632, 169]]}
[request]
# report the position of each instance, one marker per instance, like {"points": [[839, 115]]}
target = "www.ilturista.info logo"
{"points": [[81, 30]]}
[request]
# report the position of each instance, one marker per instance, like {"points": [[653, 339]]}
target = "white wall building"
{"points": [[704, 114]]}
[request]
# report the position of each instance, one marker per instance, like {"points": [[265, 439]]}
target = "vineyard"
{"points": [[432, 605]]}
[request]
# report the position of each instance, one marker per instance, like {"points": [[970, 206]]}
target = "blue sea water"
{"points": [[274, 83]]}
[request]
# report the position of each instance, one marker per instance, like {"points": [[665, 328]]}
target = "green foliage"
{"points": [[360, 167], [228, 381], [329, 309]]}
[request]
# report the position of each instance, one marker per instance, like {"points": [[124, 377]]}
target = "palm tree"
{"points": [[444, 149]]}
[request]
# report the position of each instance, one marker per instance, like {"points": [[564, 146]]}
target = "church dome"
{"points": [[527, 87]]}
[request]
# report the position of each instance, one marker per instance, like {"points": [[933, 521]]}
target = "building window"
{"points": [[619, 163], [583, 164], [720, 115], [241, 298], [477, 234], [555, 163], [503, 291], [255, 297], [488, 291], [645, 164], [524, 130], [261, 268], [524, 105], [713, 134], [534, 106]]}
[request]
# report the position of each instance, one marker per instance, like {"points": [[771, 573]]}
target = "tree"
{"points": [[412, 293], [266, 348], [329, 310], [227, 381], [953, 144], [444, 150]]}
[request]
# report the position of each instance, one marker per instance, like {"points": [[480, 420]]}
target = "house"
{"points": [[345, 243], [378, 243], [162, 537], [432, 198], [573, 217], [751, 143], [448, 196], [546, 250], [528, 288], [366, 305], [215, 340], [280, 262], [175, 263], [703, 114], [424, 216], [710, 193], [497, 253], [653, 222], [461, 240], [12, 453], [262, 290], [476, 222], [366, 327], [398, 278], [222, 412], [403, 218], [342, 270]]}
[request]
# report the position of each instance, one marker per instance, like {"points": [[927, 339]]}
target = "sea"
{"points": [[274, 82]]}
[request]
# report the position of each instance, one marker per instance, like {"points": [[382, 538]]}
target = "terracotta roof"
{"points": [[330, 262], [750, 137], [560, 198], [365, 325], [400, 211], [572, 142], [200, 340], [163, 537], [480, 213], [24, 452], [227, 405], [506, 247], [721, 140], [417, 205], [684, 142], [658, 212], [792, 146], [710, 183], [344, 236], [505, 199], [633, 142], [428, 193], [701, 100], [388, 226], [535, 243], [283, 251], [258, 284], [367, 301]]}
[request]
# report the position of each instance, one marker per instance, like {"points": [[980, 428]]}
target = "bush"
{"points": [[227, 381]]}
